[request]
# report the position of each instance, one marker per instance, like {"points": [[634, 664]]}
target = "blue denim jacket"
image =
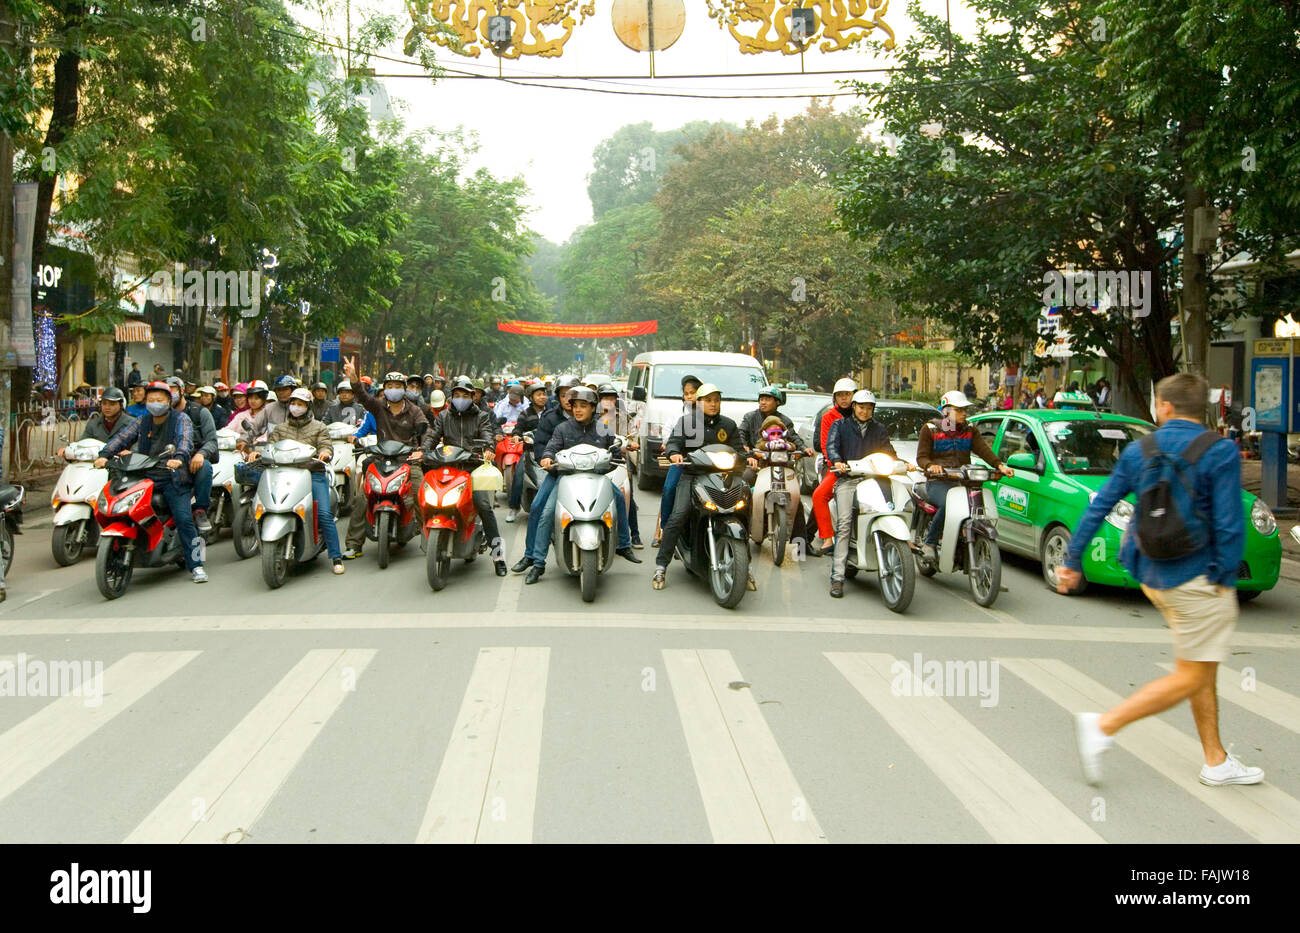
{"points": [[1218, 496]]}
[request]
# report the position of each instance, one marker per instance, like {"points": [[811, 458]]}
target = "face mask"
{"points": [[461, 404], [297, 411], [175, 397], [394, 395], [412, 395], [157, 408]]}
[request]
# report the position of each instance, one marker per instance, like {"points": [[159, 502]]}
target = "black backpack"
{"points": [[1168, 524]]}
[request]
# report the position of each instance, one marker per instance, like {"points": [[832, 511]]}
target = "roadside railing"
{"points": [[35, 434]]}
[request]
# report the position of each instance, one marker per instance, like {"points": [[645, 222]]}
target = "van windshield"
{"points": [[738, 383]]}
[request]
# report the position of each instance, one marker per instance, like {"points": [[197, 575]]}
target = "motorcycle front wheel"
{"points": [[985, 571], [68, 542], [730, 578], [437, 557], [897, 574], [383, 532], [780, 535], [243, 528], [112, 567], [275, 563], [589, 575]]}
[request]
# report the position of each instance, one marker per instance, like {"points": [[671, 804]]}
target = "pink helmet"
{"points": [[240, 388]]}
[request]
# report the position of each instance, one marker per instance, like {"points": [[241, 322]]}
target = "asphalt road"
{"points": [[365, 707]]}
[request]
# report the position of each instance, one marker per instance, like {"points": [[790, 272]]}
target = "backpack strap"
{"points": [[1199, 445], [1149, 446]]}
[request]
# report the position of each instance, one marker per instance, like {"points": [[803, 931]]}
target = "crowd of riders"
{"points": [[426, 411]]}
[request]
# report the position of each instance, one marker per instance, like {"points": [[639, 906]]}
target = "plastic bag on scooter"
{"points": [[487, 478]]}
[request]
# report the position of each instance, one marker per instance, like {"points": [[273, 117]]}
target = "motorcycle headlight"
{"points": [[395, 483], [101, 504], [977, 475], [702, 494], [583, 462], [1121, 514], [374, 484], [1261, 516], [723, 460], [127, 502], [452, 496]]}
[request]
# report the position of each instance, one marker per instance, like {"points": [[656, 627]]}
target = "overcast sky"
{"points": [[547, 135]]}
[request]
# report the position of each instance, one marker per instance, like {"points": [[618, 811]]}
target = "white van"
{"points": [[654, 391]]}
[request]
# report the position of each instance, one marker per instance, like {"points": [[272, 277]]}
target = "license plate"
{"points": [[778, 458]]}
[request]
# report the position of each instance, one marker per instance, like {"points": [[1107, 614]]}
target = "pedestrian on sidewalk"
{"points": [[1184, 544]]}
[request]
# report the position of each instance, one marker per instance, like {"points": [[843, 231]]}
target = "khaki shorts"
{"points": [[1201, 619]]}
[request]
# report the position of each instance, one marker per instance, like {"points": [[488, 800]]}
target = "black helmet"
{"points": [[774, 392], [464, 382], [319, 385], [515, 389], [113, 394], [583, 394], [567, 381], [607, 388], [688, 378]]}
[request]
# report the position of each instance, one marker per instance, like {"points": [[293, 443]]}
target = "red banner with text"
{"points": [[540, 329]]}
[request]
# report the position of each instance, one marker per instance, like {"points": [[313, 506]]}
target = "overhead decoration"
{"points": [[509, 28], [648, 25], [792, 26], [584, 331]]}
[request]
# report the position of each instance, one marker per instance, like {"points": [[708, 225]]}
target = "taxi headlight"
{"points": [[1261, 516]]}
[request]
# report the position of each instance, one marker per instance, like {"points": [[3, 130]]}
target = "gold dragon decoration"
{"points": [[840, 23], [534, 24]]}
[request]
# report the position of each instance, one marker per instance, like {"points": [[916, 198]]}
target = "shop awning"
{"points": [[133, 333]]}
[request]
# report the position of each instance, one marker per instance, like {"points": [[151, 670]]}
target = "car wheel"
{"points": [[1055, 544]]}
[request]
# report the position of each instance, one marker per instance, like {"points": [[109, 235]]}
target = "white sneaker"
{"points": [[512, 515], [200, 575], [1091, 742], [1231, 771]]}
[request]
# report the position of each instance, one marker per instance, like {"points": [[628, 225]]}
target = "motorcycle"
{"points": [[532, 474], [221, 509], [391, 511], [11, 507], [286, 515], [243, 526], [969, 540], [584, 535], [510, 451], [135, 529], [73, 502], [777, 499], [879, 538], [343, 462], [714, 542], [448, 517]]}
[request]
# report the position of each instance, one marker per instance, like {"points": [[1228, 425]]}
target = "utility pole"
{"points": [[8, 359]]}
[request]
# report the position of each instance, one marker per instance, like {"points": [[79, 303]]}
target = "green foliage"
{"points": [[628, 166]]}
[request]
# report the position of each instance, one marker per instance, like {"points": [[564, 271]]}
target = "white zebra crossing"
{"points": [[1260, 810], [1006, 800], [486, 789], [1261, 699], [46, 736], [221, 799], [749, 792]]}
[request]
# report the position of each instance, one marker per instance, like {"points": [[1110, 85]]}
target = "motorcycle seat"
{"points": [[9, 494]]}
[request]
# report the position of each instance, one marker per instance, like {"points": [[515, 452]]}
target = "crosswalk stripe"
{"points": [[1268, 702], [749, 792], [1006, 800], [228, 790], [39, 740], [1261, 810], [486, 789]]}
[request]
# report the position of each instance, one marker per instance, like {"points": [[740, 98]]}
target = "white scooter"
{"points": [[220, 511], [73, 502], [344, 463], [970, 536], [880, 539], [284, 510], [776, 501], [585, 512]]}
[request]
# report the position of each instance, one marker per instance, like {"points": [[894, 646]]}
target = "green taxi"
{"points": [[1061, 459]]}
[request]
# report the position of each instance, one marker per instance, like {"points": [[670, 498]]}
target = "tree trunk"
{"points": [[1196, 283], [63, 117]]}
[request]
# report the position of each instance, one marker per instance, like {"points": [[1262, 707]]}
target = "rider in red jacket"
{"points": [[843, 407]]}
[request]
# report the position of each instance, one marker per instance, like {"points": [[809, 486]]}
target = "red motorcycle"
{"points": [[451, 526], [390, 497], [510, 450], [136, 530]]}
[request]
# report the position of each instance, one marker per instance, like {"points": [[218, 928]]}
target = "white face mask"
{"points": [[297, 410], [394, 395]]}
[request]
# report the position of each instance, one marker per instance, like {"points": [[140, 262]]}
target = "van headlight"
{"points": [[1121, 514], [1261, 516]]}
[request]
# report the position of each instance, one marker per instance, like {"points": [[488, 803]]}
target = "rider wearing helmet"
{"points": [[842, 396], [770, 400], [205, 452], [494, 393], [320, 400], [136, 409], [284, 387], [109, 421], [851, 438], [547, 424], [397, 418], [583, 428], [463, 424], [538, 404], [269, 415], [346, 408], [947, 443]]}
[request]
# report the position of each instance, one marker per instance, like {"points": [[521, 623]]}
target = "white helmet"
{"points": [[864, 397], [844, 385], [955, 399]]}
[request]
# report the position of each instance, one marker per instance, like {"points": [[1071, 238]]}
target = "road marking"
{"points": [[41, 595], [42, 738], [221, 799], [719, 621], [486, 790], [1006, 800], [1260, 810], [1269, 702], [748, 789]]}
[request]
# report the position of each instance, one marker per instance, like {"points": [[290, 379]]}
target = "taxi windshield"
{"points": [[1091, 446]]}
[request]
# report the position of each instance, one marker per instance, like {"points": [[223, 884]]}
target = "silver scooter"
{"points": [[879, 538], [74, 500], [584, 535], [284, 510]]}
